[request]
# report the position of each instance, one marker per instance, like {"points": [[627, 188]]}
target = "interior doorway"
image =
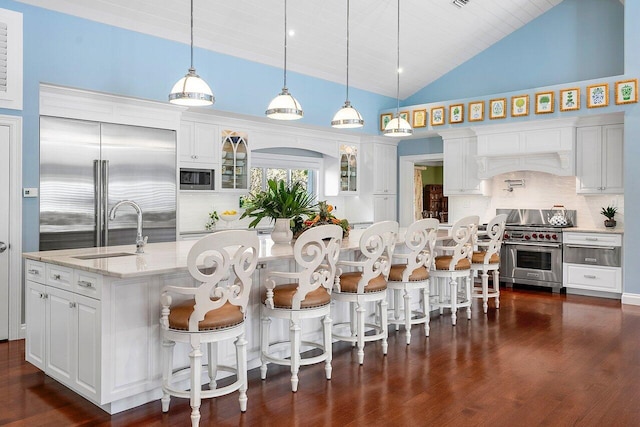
{"points": [[409, 195]]}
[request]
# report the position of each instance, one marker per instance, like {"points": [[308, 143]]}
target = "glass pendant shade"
{"points": [[284, 107], [347, 118], [398, 127], [191, 90]]}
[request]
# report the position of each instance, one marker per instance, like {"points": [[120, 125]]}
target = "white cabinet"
{"points": [[349, 173], [599, 159], [35, 318], [460, 167], [198, 144], [63, 329], [234, 170], [385, 169], [384, 207], [592, 262]]}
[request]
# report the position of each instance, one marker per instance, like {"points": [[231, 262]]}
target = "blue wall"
{"points": [[632, 151], [65, 50], [412, 147], [576, 40]]}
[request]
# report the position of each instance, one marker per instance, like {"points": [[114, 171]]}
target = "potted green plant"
{"points": [[609, 212], [280, 203]]}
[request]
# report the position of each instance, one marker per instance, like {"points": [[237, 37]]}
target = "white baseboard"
{"points": [[631, 299]]}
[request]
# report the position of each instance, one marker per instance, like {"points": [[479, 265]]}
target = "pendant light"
{"points": [[191, 90], [284, 106], [347, 117], [398, 127]]}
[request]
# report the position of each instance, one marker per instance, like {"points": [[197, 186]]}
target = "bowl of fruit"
{"points": [[229, 216]]}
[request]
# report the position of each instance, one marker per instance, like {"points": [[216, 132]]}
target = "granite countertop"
{"points": [[158, 258]]}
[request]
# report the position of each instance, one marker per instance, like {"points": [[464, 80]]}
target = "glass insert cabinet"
{"points": [[348, 168], [234, 161]]}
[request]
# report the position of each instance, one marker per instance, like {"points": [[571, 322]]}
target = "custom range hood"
{"points": [[542, 146]]}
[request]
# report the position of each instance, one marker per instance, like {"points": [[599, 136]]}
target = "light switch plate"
{"points": [[29, 192]]}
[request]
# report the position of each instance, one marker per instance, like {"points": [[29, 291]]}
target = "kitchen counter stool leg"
{"points": [[453, 286], [212, 367]]}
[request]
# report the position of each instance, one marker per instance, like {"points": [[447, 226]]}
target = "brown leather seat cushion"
{"points": [[418, 275], [349, 282], [478, 258], [443, 262], [283, 296], [224, 317]]}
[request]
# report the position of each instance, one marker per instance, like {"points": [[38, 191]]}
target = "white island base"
{"points": [[93, 324]]}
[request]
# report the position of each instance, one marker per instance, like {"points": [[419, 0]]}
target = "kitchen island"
{"points": [[92, 316]]}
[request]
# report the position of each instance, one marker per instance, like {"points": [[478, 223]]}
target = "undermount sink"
{"points": [[99, 256]]}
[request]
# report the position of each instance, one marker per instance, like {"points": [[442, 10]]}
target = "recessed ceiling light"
{"points": [[292, 33], [460, 3]]}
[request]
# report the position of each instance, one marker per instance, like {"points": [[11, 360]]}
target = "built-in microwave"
{"points": [[197, 179]]}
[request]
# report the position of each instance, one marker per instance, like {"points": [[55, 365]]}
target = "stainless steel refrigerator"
{"points": [[87, 167]]}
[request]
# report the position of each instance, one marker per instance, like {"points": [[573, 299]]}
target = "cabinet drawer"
{"points": [[592, 239], [596, 278], [88, 284], [35, 271], [59, 277]]}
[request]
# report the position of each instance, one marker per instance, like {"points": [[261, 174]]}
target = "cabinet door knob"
{"points": [[72, 304], [33, 271], [56, 277]]}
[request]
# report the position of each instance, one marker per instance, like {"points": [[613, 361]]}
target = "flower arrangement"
{"points": [[323, 217], [213, 219]]}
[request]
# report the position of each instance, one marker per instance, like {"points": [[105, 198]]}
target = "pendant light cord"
{"points": [[285, 46], [191, 36], [348, 8], [398, 69]]}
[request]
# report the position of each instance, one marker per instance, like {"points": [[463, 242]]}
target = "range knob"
{"points": [[548, 237], [554, 237], [534, 235], [506, 236], [527, 237]]}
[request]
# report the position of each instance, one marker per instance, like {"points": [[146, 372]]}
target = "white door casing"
{"points": [[4, 232], [11, 227]]}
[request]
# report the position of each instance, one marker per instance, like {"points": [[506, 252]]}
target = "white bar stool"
{"points": [[305, 295], [488, 259], [367, 283], [213, 311], [413, 274], [456, 266]]}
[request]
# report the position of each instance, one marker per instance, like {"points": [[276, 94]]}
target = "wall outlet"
{"points": [[29, 192]]}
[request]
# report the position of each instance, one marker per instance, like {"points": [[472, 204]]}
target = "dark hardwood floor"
{"points": [[542, 359]]}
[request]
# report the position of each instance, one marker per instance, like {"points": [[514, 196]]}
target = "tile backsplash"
{"points": [[540, 191]]}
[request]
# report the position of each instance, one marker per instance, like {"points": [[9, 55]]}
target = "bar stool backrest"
{"points": [[210, 262]]}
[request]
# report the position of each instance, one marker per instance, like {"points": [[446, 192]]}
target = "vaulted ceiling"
{"points": [[435, 35]]}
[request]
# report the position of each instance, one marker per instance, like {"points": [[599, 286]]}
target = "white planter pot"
{"points": [[282, 231]]}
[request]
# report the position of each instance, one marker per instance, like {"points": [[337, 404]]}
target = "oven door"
{"points": [[536, 264]]}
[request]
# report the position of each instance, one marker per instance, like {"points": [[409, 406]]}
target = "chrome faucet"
{"points": [[140, 241]]}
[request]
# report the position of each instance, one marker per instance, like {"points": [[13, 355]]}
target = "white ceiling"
{"points": [[435, 35]]}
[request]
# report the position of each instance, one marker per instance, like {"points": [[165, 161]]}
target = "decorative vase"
{"points": [[282, 231], [609, 222]]}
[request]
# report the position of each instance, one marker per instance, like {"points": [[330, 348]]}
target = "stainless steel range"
{"points": [[532, 248]]}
